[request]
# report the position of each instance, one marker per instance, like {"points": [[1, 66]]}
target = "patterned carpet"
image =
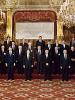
{"points": [[37, 89]]}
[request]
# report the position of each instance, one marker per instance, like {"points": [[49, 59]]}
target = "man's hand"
{"points": [[60, 67], [47, 64], [23, 66], [69, 67], [32, 66], [14, 64], [72, 59], [53, 62], [6, 64], [16, 61]]}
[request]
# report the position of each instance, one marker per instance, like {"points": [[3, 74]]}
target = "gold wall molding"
{"points": [[9, 23]]}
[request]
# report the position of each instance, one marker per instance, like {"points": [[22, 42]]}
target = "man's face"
{"points": [[65, 51], [40, 37], [13, 43], [46, 51], [48, 42], [29, 44], [10, 51], [20, 47], [73, 39], [63, 42], [72, 48], [39, 47], [2, 47], [56, 41]]}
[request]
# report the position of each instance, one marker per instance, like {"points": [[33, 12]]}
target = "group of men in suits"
{"points": [[46, 58]]}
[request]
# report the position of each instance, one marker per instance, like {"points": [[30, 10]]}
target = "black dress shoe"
{"points": [[50, 79], [45, 79], [63, 80], [30, 80]]}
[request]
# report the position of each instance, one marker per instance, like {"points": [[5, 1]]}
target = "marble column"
{"points": [[9, 22], [59, 31]]}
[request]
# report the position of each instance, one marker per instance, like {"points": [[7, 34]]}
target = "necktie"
{"points": [[28, 56], [19, 52], [39, 51], [46, 55], [65, 56], [64, 45]]}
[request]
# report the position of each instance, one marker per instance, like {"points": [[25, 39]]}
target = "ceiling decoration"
{"points": [[18, 3], [2, 2], [65, 9]]}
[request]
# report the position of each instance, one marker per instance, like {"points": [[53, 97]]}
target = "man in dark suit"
{"points": [[65, 65], [7, 43], [39, 58], [30, 47], [47, 60], [56, 59], [10, 63], [55, 56], [72, 57], [56, 45], [49, 47], [24, 46], [72, 42], [2, 59], [40, 42], [19, 60], [28, 65], [14, 47], [64, 46]]}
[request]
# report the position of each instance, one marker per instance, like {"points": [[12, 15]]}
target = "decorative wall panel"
{"points": [[35, 16]]}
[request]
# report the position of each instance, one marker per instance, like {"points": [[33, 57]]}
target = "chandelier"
{"points": [[2, 17], [67, 13]]}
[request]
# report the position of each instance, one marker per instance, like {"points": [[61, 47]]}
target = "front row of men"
{"points": [[44, 61]]}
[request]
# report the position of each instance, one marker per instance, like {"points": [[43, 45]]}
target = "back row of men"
{"points": [[45, 58]]}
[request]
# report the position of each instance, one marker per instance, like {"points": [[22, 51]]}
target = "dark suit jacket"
{"points": [[24, 47], [28, 62], [56, 59], [47, 60], [72, 43], [15, 49], [38, 57], [10, 60], [66, 47], [59, 47], [65, 63], [72, 56], [2, 56], [7, 45], [19, 58], [46, 47], [42, 44]]}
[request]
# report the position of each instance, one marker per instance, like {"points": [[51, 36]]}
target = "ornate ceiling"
{"points": [[51, 4], [59, 6]]}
